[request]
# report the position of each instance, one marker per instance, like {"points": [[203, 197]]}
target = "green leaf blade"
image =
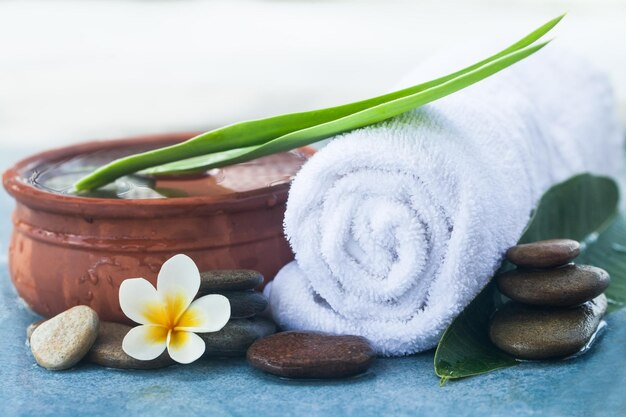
{"points": [[266, 131], [353, 121]]}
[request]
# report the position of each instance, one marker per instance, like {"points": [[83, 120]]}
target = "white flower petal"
{"points": [[178, 283], [206, 314], [141, 302], [185, 347], [145, 342]]}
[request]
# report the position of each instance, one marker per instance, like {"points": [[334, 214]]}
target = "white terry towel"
{"points": [[396, 227]]}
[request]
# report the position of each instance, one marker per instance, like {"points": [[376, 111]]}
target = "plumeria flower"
{"points": [[168, 317]]}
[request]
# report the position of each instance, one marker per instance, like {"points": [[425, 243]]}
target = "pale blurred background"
{"points": [[77, 70]]}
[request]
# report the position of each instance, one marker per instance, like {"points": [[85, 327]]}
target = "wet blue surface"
{"points": [[591, 385]]}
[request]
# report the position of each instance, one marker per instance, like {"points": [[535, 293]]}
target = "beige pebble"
{"points": [[31, 328], [62, 341]]}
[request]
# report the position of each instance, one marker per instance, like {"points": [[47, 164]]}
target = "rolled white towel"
{"points": [[396, 227]]}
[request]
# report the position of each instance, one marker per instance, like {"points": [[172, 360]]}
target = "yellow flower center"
{"points": [[167, 313]]}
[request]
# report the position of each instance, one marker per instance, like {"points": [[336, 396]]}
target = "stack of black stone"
{"points": [[244, 326], [556, 305]]}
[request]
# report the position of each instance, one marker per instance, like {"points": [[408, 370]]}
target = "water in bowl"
{"points": [[59, 176]]}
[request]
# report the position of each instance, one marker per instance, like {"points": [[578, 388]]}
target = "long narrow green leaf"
{"points": [[353, 121], [257, 132]]}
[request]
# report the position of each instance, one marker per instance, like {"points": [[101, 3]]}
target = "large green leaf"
{"points": [[465, 348], [609, 252], [583, 208]]}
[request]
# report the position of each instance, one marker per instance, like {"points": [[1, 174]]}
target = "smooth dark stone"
{"points": [[566, 286], [229, 280], [237, 336], [527, 332], [311, 355], [244, 304], [107, 350], [544, 254]]}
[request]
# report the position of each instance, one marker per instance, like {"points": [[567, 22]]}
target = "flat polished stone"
{"points": [[107, 350], [236, 337], [244, 304], [229, 280], [311, 355], [544, 254], [528, 332], [566, 286]]}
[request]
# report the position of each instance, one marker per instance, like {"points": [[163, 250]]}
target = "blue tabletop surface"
{"points": [[591, 385]]}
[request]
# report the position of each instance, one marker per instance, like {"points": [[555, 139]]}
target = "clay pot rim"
{"points": [[43, 200]]}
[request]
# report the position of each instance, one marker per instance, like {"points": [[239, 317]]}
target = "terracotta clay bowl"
{"points": [[67, 250]]}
